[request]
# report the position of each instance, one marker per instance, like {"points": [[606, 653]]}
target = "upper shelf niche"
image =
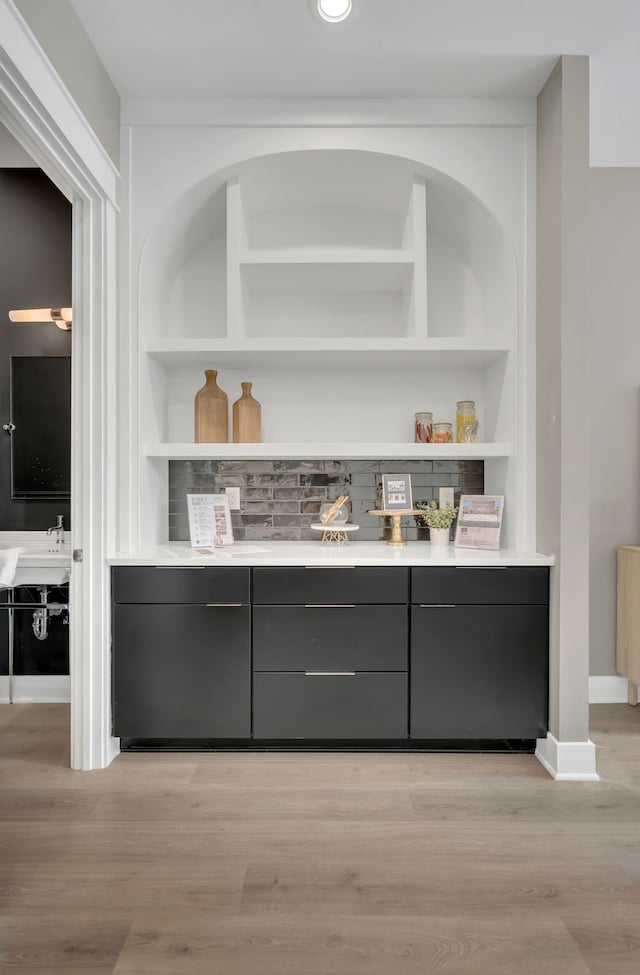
{"points": [[328, 244]]}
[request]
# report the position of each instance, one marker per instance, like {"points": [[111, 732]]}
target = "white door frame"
{"points": [[41, 114]]}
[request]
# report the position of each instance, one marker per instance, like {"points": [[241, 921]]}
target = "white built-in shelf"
{"points": [[329, 451], [329, 255], [285, 353]]}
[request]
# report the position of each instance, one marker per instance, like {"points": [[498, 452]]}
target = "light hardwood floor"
{"points": [[223, 864]]}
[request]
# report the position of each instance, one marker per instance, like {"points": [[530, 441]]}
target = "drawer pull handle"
{"points": [[329, 605], [329, 673], [329, 566], [437, 605], [180, 567], [481, 567], [216, 605]]}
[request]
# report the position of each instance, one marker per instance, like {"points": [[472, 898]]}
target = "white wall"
{"points": [[614, 397], [65, 42]]}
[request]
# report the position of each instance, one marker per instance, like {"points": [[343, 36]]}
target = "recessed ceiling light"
{"points": [[334, 10]]}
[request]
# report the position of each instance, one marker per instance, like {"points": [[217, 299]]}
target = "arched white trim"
{"points": [[38, 110]]}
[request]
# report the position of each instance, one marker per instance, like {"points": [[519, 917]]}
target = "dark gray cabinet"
{"points": [[181, 584], [479, 672], [331, 654], [470, 584], [322, 706], [330, 662], [182, 669], [330, 584], [347, 637]]}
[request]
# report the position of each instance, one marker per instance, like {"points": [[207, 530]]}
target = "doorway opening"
{"points": [[43, 118], [35, 440]]}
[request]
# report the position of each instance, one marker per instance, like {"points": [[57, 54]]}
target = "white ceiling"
{"points": [[390, 48]]}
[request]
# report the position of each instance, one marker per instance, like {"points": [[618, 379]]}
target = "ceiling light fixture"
{"points": [[333, 11], [62, 317]]}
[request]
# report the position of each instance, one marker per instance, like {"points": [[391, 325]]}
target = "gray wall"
{"points": [[35, 272], [562, 354], [12, 155], [614, 400], [65, 41]]}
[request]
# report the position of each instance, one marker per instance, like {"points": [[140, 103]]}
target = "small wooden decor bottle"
{"points": [[212, 411], [247, 417]]}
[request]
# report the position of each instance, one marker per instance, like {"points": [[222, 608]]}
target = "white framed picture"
{"points": [[479, 521]]}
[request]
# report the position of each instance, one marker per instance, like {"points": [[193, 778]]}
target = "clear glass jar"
{"points": [[442, 433], [466, 423], [424, 428]]}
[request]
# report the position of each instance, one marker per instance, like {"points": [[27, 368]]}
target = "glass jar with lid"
{"points": [[466, 423], [424, 428], [442, 433]]}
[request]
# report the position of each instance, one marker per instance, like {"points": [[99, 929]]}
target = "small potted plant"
{"points": [[438, 520]]}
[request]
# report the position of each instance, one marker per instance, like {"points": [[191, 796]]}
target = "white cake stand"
{"points": [[335, 533]]}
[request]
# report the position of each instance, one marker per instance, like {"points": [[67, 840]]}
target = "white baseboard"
{"points": [[608, 690], [49, 689], [4, 689], [568, 761]]}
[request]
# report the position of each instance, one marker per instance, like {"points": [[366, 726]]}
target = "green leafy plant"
{"points": [[434, 516]]}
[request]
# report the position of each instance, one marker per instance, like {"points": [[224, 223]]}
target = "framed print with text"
{"points": [[396, 492], [479, 521]]}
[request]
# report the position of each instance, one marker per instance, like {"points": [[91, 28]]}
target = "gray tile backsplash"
{"points": [[279, 499]]}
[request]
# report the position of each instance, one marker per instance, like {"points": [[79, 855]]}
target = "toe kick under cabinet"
{"points": [[391, 655]]}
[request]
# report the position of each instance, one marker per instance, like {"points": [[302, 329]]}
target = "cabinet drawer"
{"points": [[182, 584], [331, 584], [330, 707], [497, 586], [330, 638]]}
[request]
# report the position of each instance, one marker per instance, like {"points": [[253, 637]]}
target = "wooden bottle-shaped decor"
{"points": [[247, 418], [212, 411]]}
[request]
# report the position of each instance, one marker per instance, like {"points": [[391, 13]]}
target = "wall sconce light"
{"points": [[62, 317]]}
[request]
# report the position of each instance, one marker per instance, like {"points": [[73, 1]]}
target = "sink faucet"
{"points": [[58, 529]]}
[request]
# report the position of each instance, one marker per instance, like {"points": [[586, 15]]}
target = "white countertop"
{"points": [[317, 553]]}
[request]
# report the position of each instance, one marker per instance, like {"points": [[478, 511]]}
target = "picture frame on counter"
{"points": [[201, 511], [479, 521], [396, 492], [222, 518], [209, 521]]}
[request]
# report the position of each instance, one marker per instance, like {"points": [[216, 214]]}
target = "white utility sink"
{"points": [[42, 561]]}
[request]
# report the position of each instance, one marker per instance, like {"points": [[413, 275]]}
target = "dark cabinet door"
{"points": [[479, 672], [181, 671]]}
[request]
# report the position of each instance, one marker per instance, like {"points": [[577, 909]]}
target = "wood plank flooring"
{"points": [[326, 864]]}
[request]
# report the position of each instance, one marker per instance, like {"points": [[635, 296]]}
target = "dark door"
{"points": [[479, 672], [4, 633], [181, 671]]}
